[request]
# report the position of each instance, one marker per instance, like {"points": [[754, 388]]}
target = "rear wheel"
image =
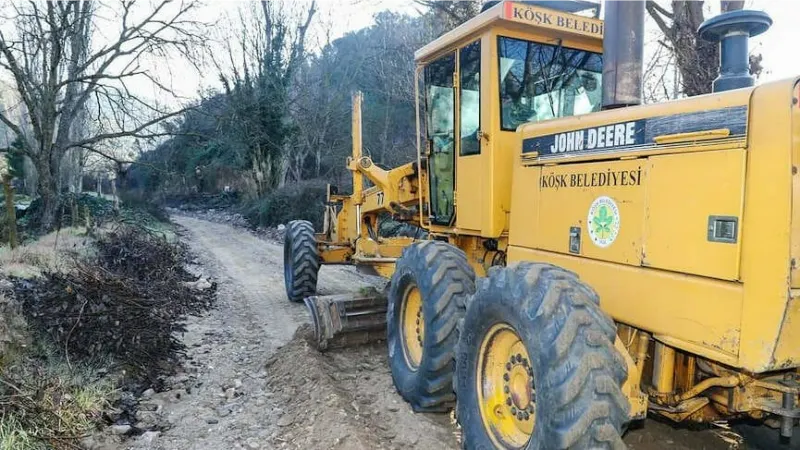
{"points": [[300, 260], [426, 299], [536, 364]]}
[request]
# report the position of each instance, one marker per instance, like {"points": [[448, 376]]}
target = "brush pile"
{"points": [[128, 304]]}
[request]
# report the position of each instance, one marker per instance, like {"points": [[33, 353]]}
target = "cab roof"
{"points": [[513, 14]]}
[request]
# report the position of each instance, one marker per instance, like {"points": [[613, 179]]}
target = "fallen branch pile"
{"points": [[128, 305]]}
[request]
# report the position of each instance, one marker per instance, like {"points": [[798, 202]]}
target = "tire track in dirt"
{"points": [[241, 390]]}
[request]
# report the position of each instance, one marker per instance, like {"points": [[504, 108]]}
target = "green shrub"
{"points": [[304, 200]]}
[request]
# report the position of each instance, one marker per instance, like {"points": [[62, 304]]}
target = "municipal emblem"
{"points": [[603, 221]]}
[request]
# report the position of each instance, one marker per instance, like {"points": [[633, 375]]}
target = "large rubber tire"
{"points": [[300, 260], [577, 372], [444, 279]]}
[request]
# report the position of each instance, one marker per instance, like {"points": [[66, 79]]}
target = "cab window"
{"points": [[541, 81], [440, 116], [470, 96]]}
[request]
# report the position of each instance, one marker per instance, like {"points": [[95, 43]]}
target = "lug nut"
{"points": [[526, 415], [508, 366], [506, 390], [513, 411], [508, 401], [506, 377]]}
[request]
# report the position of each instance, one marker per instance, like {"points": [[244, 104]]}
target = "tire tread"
{"points": [[442, 272], [303, 261], [580, 373]]}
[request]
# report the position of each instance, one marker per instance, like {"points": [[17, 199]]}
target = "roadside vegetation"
{"points": [[90, 316]]}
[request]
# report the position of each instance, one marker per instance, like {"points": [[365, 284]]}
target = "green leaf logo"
{"points": [[602, 223]]}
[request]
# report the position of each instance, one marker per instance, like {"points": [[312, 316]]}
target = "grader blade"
{"points": [[347, 319]]}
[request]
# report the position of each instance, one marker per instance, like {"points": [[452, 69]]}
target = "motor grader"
{"points": [[575, 261]]}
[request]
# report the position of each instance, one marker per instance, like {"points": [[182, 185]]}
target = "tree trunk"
{"points": [[114, 195], [11, 213], [47, 187]]}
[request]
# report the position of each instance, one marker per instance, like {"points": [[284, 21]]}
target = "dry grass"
{"points": [[45, 402], [13, 436], [54, 252], [48, 403]]}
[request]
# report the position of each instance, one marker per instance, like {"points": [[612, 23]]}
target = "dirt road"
{"points": [[249, 384]]}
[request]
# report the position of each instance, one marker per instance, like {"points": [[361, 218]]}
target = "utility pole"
{"points": [[8, 192]]}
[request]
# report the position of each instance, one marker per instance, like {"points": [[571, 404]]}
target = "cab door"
{"points": [[440, 107], [471, 165]]}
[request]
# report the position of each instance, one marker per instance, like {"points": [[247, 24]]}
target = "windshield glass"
{"points": [[540, 81]]}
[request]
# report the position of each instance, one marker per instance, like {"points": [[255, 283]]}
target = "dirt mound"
{"points": [[345, 399]]}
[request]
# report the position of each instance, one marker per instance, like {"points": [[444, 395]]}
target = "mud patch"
{"points": [[344, 399]]}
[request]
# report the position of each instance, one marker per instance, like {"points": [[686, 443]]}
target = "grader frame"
{"points": [[707, 321]]}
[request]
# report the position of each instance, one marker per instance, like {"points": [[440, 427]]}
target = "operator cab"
{"points": [[514, 63]]}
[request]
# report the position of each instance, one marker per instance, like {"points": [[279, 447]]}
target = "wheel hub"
{"points": [[413, 327], [520, 389], [506, 388]]}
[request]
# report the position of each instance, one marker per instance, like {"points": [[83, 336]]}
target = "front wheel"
{"points": [[426, 299], [536, 367], [300, 260]]}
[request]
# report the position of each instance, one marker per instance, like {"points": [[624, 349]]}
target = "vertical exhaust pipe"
{"points": [[732, 30], [623, 52]]}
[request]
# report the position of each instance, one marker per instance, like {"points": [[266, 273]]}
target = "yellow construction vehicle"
{"points": [[577, 261]]}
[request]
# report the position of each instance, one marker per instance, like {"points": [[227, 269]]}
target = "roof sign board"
{"points": [[555, 20]]}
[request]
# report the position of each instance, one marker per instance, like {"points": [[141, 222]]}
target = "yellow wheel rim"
{"points": [[413, 327], [506, 393]]}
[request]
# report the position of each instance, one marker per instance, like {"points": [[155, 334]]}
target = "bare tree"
{"points": [[264, 61], [63, 81], [696, 59]]}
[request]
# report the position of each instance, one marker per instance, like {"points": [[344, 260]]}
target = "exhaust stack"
{"points": [[623, 52], [732, 30]]}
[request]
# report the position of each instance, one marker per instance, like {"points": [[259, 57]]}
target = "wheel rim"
{"points": [[413, 326], [506, 391]]}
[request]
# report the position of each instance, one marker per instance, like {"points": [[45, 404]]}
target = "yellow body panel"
{"points": [[767, 225], [681, 194], [564, 200], [795, 249], [786, 352]]}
